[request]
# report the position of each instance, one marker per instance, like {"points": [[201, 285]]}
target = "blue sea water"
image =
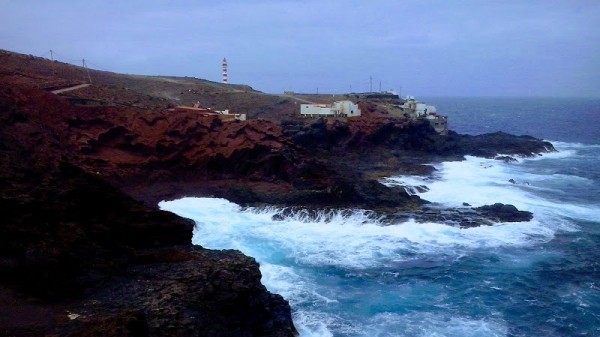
{"points": [[575, 120], [349, 275]]}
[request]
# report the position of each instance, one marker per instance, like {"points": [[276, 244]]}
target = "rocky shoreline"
{"points": [[84, 251]]}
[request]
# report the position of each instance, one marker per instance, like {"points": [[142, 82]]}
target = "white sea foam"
{"points": [[480, 181], [287, 282], [350, 241], [435, 325], [314, 323], [559, 154], [321, 324], [565, 145]]}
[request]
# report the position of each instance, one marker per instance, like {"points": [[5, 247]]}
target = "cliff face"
{"points": [[157, 155], [78, 257]]}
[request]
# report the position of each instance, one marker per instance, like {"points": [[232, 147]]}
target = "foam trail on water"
{"points": [[436, 325]]}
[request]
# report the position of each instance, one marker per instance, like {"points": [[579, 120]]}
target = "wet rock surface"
{"points": [[504, 213], [464, 217]]}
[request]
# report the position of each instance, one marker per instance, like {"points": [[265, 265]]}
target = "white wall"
{"points": [[347, 108], [341, 108], [315, 109], [421, 109]]}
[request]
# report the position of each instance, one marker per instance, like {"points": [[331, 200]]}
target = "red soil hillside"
{"points": [[147, 92]]}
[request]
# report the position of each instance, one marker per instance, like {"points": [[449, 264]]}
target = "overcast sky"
{"points": [[419, 47]]}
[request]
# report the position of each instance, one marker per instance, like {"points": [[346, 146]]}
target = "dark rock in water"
{"points": [[421, 188], [512, 181], [316, 214], [462, 217], [491, 144], [506, 159], [504, 213], [456, 217]]}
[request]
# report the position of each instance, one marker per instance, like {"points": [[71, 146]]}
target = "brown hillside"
{"points": [[146, 92]]}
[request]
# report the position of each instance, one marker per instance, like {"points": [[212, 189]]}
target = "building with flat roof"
{"points": [[337, 109]]}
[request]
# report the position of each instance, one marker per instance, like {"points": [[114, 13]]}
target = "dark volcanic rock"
{"points": [[504, 213], [73, 230], [506, 159], [464, 217], [183, 292], [85, 249], [491, 144]]}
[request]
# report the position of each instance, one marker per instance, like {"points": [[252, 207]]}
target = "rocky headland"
{"points": [[84, 251]]}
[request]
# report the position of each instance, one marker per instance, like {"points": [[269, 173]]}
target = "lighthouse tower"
{"points": [[225, 70]]}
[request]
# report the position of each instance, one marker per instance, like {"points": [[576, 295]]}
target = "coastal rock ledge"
{"points": [[80, 258]]}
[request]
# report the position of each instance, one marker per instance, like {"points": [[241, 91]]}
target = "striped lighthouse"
{"points": [[225, 70]]}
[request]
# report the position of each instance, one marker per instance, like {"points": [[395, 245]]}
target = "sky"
{"points": [[414, 47]]}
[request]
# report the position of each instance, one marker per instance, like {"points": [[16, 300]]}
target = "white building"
{"points": [[346, 108], [414, 109], [337, 109], [421, 109]]}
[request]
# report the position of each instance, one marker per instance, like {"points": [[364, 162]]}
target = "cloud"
{"points": [[429, 47]]}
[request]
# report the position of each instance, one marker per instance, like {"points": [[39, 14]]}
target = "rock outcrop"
{"points": [[505, 213]]}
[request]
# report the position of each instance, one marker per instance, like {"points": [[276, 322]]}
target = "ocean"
{"points": [[348, 274]]}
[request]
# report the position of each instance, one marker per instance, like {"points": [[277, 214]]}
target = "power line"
{"points": [[54, 56], [96, 66], [60, 57]]}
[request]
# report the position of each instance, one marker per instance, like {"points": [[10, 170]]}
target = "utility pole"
{"points": [[370, 83], [52, 58], [88, 71]]}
